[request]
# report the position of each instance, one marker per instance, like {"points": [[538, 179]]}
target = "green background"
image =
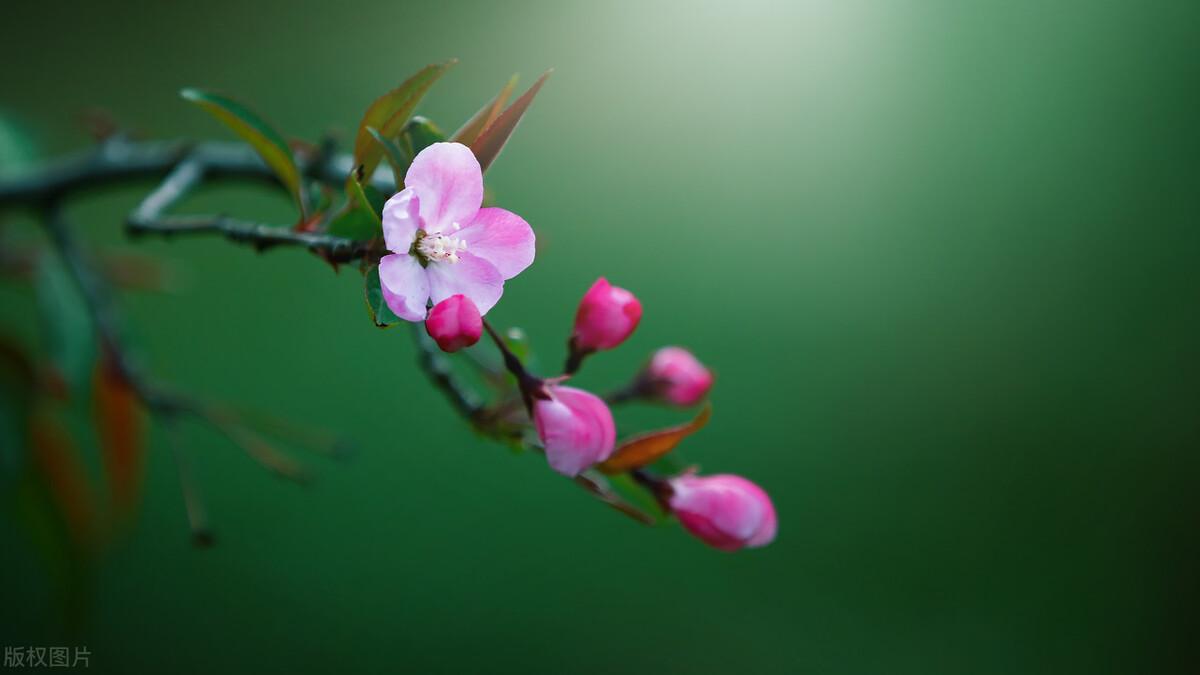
{"points": [[942, 256]]}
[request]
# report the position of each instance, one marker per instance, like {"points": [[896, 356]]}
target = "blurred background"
{"points": [[943, 256]]}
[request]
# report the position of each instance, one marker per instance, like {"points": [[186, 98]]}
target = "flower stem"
{"points": [[575, 357], [531, 387]]}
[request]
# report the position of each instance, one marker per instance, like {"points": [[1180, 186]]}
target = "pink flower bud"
{"points": [[576, 428], [725, 511], [454, 323], [677, 377], [607, 315]]}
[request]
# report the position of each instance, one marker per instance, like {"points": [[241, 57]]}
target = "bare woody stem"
{"points": [[150, 218], [119, 160], [183, 166]]}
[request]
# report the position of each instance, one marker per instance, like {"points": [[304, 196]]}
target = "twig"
{"points": [[257, 447], [183, 167], [150, 218], [259, 235], [202, 536]]}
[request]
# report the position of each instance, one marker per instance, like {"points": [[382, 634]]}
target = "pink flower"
{"points": [[454, 323], [725, 511], [678, 377], [442, 243], [607, 315], [576, 428]]}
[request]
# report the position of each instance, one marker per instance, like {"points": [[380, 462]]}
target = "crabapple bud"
{"points": [[454, 323], [677, 377], [607, 315], [576, 428], [724, 511]]}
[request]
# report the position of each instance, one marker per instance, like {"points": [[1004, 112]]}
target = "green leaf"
{"points": [[397, 157], [624, 485], [320, 198], [381, 314], [66, 324], [420, 133], [482, 119], [360, 218], [518, 343], [261, 136], [390, 112], [17, 147], [644, 449], [599, 488], [354, 223], [491, 141], [368, 200], [17, 382], [669, 465]]}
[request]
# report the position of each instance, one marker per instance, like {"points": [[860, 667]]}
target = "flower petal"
{"points": [[447, 178], [502, 238], [471, 276], [401, 220], [405, 286]]}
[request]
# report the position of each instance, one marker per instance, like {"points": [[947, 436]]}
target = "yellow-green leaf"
{"points": [[261, 136], [491, 141], [389, 113], [644, 449], [364, 203]]}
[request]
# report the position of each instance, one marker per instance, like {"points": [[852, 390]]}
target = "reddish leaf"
{"points": [[643, 449], [58, 464], [481, 120], [258, 448], [489, 144], [118, 417]]}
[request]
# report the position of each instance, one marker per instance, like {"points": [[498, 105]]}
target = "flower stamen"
{"points": [[438, 247]]}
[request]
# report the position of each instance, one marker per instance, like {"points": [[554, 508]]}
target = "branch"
{"points": [[182, 168], [150, 218], [164, 405], [119, 159], [99, 302]]}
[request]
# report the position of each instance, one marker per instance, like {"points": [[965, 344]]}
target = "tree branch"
{"points": [[150, 218], [183, 167], [99, 303], [119, 159]]}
